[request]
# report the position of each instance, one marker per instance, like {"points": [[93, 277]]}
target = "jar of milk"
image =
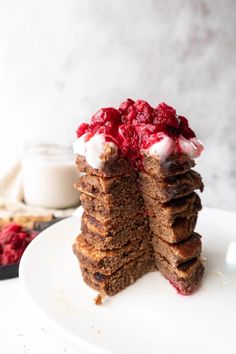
{"points": [[49, 173]]}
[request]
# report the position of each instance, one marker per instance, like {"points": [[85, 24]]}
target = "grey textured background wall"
{"points": [[62, 60]]}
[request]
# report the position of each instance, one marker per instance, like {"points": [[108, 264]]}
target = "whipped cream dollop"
{"points": [[191, 147], [94, 149], [163, 148], [166, 145]]}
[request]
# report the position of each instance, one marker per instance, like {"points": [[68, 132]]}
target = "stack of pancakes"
{"points": [[135, 222], [114, 248], [173, 205]]}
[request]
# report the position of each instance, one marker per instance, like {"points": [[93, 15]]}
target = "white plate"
{"points": [[147, 317]]}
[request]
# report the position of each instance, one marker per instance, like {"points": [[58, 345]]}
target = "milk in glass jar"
{"points": [[49, 173]]}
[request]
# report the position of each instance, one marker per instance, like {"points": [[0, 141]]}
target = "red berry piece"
{"points": [[145, 112], [166, 119], [11, 228], [125, 105], [185, 130], [11, 256], [18, 244], [145, 133], [109, 128], [13, 242], [106, 115], [143, 107], [139, 113], [82, 129], [131, 139], [130, 116]]}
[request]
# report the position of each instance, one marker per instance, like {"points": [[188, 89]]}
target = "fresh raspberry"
{"points": [[130, 116], [166, 119], [125, 105], [165, 113], [82, 129], [109, 128], [150, 129], [149, 135], [106, 115], [185, 130], [145, 112], [11, 256], [19, 243], [13, 242], [139, 113], [104, 121], [11, 228], [7, 236], [143, 107], [131, 137]]}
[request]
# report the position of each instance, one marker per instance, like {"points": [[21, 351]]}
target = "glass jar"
{"points": [[49, 173]]}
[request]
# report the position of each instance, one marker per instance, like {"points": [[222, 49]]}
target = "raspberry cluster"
{"points": [[136, 125], [13, 242], [163, 118]]}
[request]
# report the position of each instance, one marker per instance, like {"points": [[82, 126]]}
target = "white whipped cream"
{"points": [[93, 149], [79, 145], [192, 147], [167, 145], [162, 148]]}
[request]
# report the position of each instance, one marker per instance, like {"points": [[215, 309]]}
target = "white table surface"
{"points": [[23, 330]]}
